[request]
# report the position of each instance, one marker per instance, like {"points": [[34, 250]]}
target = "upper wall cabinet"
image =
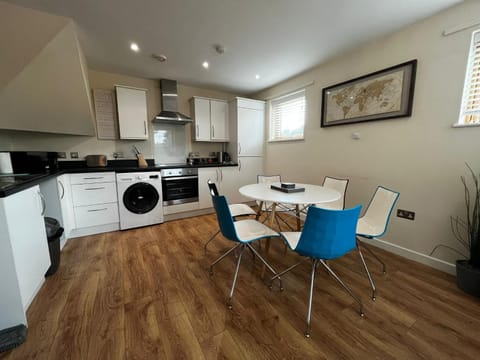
{"points": [[210, 119], [247, 132], [43, 75], [132, 113]]}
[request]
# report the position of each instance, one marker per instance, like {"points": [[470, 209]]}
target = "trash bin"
{"points": [[12, 337], [54, 231]]}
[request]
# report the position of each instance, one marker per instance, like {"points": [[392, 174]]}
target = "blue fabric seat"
{"points": [[326, 235]]}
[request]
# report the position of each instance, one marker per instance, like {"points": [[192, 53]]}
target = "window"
{"points": [[470, 112], [287, 117]]}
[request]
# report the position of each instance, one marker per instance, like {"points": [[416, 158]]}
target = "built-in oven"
{"points": [[179, 186]]}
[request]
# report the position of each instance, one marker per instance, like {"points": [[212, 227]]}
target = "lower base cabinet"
{"points": [[24, 256], [229, 179]]}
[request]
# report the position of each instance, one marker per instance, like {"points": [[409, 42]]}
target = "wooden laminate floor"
{"points": [[146, 294]]}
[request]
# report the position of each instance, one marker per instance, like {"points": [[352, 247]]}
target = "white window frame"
{"points": [[273, 135], [469, 90]]}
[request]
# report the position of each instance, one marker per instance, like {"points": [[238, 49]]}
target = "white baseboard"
{"points": [[413, 255], [94, 230]]}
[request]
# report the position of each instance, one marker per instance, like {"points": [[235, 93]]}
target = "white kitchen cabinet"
{"points": [[94, 202], [248, 169], [24, 256], [247, 128], [205, 174], [210, 119], [132, 113], [227, 180], [219, 120]]}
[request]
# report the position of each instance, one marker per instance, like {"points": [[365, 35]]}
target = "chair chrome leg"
{"points": [[211, 238], [372, 284], [312, 281], [344, 286], [384, 267], [283, 272], [266, 264], [229, 302], [222, 257]]}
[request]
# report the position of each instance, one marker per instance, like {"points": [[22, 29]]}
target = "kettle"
{"points": [[226, 157], [223, 157]]}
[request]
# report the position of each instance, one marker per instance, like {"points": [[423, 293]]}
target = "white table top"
{"points": [[313, 194]]}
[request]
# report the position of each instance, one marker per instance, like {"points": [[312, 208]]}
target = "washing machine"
{"points": [[139, 199]]}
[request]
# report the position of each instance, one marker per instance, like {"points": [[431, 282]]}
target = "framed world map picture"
{"points": [[384, 94]]}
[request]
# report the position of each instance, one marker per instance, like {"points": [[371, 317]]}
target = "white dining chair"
{"points": [[336, 184], [373, 224]]}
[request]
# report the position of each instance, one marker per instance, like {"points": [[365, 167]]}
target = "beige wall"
{"points": [[84, 145], [421, 156]]}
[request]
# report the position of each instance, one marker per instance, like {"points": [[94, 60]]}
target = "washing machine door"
{"points": [[140, 198]]}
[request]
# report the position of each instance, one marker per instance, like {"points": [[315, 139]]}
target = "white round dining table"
{"points": [[313, 194]]}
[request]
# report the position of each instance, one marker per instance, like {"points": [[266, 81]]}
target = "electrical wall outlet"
{"points": [[62, 155], [74, 155], [409, 215]]}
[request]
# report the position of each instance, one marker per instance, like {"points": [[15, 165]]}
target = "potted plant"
{"points": [[467, 232]]}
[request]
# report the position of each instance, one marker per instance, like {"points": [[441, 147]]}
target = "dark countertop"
{"points": [[75, 167]]}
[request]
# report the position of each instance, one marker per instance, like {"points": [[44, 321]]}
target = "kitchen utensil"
{"points": [[142, 163], [96, 160]]}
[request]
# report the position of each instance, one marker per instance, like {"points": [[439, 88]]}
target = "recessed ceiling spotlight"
{"points": [[161, 58], [134, 47], [205, 64], [257, 76]]}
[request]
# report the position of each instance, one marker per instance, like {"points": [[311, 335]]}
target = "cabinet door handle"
{"points": [[239, 165], [213, 132], [198, 131], [216, 173], [145, 127], [63, 189], [239, 148], [95, 188], [93, 178], [44, 204], [221, 174], [92, 210]]}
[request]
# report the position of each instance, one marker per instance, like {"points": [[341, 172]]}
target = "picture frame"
{"points": [[383, 94]]}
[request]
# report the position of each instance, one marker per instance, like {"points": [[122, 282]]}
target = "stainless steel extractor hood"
{"points": [[169, 113]]}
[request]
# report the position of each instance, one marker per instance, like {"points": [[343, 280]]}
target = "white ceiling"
{"points": [[276, 39]]}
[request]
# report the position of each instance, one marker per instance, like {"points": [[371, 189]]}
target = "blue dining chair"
{"points": [[242, 232], [327, 235], [237, 210]]}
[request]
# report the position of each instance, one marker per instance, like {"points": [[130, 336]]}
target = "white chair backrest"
{"points": [[336, 184], [267, 179], [379, 210]]}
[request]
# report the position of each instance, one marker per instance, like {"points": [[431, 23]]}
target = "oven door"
{"points": [[179, 189]]}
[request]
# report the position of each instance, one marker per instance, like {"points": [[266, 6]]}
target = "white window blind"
{"points": [[470, 113], [287, 116]]}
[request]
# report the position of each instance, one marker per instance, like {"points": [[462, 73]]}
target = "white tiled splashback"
{"points": [[169, 143]]}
